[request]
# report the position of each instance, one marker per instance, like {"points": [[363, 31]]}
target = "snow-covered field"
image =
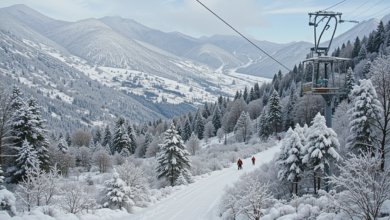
{"points": [[201, 199]]}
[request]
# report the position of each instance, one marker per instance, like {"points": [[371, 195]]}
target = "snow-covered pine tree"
{"points": [[173, 157], [290, 158], [39, 137], [275, 111], [68, 139], [243, 127], [118, 192], [27, 157], [118, 141], [181, 180], [264, 129], [107, 148], [321, 146], [288, 115], [62, 145], [206, 111], [98, 135], [362, 126], [362, 53], [349, 81], [199, 126], [217, 117], [16, 98], [107, 136], [257, 90], [301, 133], [186, 131], [132, 137], [366, 69]]}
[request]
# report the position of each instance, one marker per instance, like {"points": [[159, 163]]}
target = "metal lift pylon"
{"points": [[323, 81]]}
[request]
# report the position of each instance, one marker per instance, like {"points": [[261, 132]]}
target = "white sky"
{"points": [[279, 21]]}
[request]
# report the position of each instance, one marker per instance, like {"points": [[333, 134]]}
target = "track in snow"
{"points": [[201, 199]]}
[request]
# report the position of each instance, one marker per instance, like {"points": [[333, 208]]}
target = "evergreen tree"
{"points": [[356, 48], [264, 129], [16, 98], [288, 115], [39, 139], [173, 157], [371, 42], [245, 95], [68, 139], [186, 133], [257, 90], [144, 128], [321, 146], [275, 111], [27, 157], [118, 143], [217, 118], [98, 135], [199, 125], [220, 100], [148, 140], [379, 37], [92, 146], [107, 136], [366, 69], [181, 180], [133, 138], [206, 111], [252, 95], [118, 192], [362, 53], [290, 158], [365, 109], [62, 145], [350, 81]]}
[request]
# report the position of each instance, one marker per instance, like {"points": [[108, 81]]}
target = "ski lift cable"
{"points": [[244, 36], [377, 13], [357, 8], [368, 8], [334, 5]]}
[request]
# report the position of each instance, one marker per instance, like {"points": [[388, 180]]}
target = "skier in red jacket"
{"points": [[239, 163], [253, 160]]}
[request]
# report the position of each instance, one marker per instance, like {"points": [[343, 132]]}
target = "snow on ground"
{"points": [[201, 199]]}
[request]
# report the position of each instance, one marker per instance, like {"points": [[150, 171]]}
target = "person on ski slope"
{"points": [[239, 163], [253, 160]]}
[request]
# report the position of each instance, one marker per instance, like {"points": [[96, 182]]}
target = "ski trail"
{"points": [[200, 200]]}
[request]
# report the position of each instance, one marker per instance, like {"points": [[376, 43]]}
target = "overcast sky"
{"points": [[279, 21]]}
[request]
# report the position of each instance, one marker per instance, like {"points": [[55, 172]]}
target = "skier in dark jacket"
{"points": [[239, 163], [253, 160]]}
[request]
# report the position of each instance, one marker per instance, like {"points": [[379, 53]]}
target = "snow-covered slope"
{"points": [[10, 22], [33, 19], [289, 56], [96, 42], [174, 42], [201, 199]]}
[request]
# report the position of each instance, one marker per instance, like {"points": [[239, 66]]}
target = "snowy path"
{"points": [[201, 199]]}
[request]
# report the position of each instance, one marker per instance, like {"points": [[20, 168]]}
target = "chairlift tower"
{"points": [[324, 81]]}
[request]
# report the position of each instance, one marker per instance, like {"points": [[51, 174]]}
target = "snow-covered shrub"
{"points": [[7, 201], [198, 167], [366, 187], [38, 188], [75, 197], [247, 197], [103, 160], [134, 178]]}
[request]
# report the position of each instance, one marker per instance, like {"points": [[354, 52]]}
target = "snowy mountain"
{"points": [[174, 42]]}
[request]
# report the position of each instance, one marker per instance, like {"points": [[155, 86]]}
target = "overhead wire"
{"points": [[376, 13], [243, 36], [356, 9], [334, 5], [368, 9]]}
